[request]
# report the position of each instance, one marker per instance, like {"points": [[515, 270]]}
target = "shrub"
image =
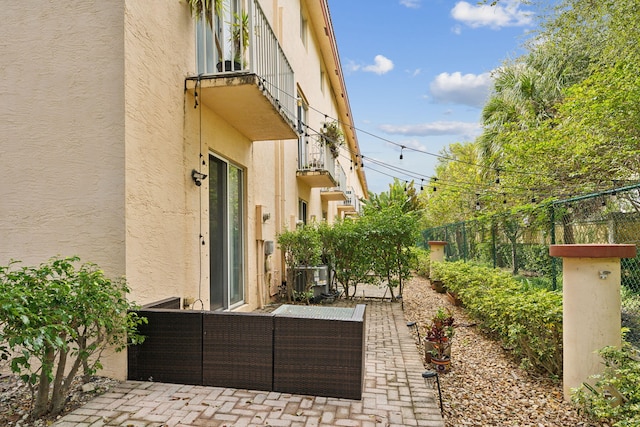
{"points": [[422, 261], [615, 397], [528, 322], [62, 316], [301, 247], [345, 245]]}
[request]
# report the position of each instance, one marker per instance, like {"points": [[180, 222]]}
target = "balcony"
{"points": [[351, 206], [316, 165], [243, 74], [337, 193]]}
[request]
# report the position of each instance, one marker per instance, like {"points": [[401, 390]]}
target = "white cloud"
{"points": [[465, 129], [506, 13], [351, 67], [458, 88], [381, 65], [457, 30], [412, 4]]}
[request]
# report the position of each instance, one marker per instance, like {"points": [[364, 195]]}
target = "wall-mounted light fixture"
{"points": [[197, 177], [266, 216]]}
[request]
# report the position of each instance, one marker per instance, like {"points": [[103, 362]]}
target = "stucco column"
{"points": [[591, 307], [437, 253]]}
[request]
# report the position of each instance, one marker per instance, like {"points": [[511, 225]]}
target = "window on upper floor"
{"points": [[302, 211]]}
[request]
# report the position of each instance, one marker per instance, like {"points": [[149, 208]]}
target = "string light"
{"points": [[550, 190]]}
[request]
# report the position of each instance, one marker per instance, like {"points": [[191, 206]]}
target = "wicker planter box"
{"points": [[319, 351], [297, 349]]}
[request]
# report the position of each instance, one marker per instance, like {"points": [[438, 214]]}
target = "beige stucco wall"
{"points": [[62, 139], [99, 139], [161, 203]]}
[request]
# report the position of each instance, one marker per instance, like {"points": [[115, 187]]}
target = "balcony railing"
{"points": [[337, 192], [314, 155], [243, 41], [352, 204], [316, 164]]}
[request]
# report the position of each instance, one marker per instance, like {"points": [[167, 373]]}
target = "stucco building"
{"points": [[113, 113]]}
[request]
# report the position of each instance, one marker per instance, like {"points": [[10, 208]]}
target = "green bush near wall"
{"points": [[527, 321], [615, 396], [422, 257]]}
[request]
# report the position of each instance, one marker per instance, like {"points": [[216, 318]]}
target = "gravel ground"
{"points": [[486, 387]]}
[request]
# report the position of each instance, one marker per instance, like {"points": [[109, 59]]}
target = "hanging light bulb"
{"points": [[401, 148], [421, 184]]}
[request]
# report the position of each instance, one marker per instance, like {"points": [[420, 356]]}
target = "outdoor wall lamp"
{"points": [[197, 177]]}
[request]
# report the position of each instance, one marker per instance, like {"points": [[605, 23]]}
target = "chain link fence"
{"points": [[519, 241]]}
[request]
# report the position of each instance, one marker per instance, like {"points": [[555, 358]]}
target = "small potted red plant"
{"points": [[437, 346]]}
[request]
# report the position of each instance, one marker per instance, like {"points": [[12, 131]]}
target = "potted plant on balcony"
{"points": [[240, 38], [437, 346], [238, 27], [333, 137], [208, 8]]}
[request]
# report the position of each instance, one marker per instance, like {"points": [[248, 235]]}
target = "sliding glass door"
{"points": [[226, 233]]}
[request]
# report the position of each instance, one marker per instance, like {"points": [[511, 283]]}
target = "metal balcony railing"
{"points": [[340, 177], [243, 41], [352, 199], [313, 155]]}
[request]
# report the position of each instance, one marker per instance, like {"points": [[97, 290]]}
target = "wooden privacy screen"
{"points": [[291, 352]]}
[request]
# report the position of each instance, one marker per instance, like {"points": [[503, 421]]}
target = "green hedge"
{"points": [[528, 322]]}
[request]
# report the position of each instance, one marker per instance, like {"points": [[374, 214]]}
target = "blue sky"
{"points": [[418, 73]]}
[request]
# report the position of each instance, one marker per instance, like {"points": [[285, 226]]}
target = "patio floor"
{"points": [[395, 393]]}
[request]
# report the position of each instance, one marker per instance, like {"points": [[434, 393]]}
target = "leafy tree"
{"points": [[400, 194], [459, 186], [348, 249], [392, 233], [62, 316]]}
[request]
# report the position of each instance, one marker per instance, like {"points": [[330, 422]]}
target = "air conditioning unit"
{"points": [[315, 278]]}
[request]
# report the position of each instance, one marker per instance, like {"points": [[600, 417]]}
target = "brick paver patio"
{"points": [[394, 394]]}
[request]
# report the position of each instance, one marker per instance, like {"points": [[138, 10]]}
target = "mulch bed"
{"points": [[486, 386]]}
